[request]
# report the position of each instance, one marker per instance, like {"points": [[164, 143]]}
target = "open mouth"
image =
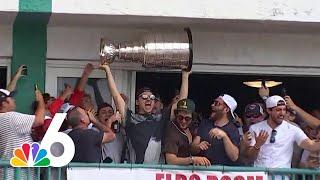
{"points": [[147, 104]]}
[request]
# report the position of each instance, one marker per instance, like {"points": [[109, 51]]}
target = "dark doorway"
{"points": [[203, 88], [3, 77]]}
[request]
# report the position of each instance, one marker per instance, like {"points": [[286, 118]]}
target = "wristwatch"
{"points": [[191, 159]]}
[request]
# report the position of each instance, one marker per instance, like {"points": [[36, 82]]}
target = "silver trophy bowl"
{"points": [[155, 50]]}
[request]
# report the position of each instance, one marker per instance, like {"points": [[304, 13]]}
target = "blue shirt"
{"points": [[216, 152]]}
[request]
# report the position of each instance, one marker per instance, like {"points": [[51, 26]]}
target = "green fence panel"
{"points": [[272, 172]]}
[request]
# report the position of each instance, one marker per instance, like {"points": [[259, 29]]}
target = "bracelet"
{"points": [[256, 147]]}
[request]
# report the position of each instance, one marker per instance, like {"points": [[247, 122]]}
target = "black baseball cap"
{"points": [[142, 90], [186, 105]]}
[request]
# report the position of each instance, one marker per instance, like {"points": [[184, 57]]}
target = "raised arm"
{"points": [[310, 145], [184, 90], [40, 112], [308, 118], [118, 100], [253, 151], [13, 83], [84, 78], [108, 135]]}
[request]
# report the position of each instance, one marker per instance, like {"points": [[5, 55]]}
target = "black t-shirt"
{"points": [[176, 142], [140, 128], [87, 145], [216, 152]]}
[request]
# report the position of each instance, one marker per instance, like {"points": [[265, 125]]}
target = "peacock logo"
{"points": [[30, 155], [39, 155]]}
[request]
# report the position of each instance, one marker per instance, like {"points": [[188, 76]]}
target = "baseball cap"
{"points": [[5, 93], [230, 102], [186, 105], [142, 90], [66, 107], [274, 101], [253, 109]]}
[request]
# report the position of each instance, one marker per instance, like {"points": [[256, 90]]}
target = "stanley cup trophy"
{"points": [[155, 50]]}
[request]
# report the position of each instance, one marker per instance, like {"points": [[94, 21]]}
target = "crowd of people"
{"points": [[273, 133]]}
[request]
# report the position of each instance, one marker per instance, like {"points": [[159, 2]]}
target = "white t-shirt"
{"points": [[15, 129], [279, 153]]}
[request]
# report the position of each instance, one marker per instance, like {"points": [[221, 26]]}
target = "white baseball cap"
{"points": [[274, 101], [230, 102], [5, 93], [66, 107]]}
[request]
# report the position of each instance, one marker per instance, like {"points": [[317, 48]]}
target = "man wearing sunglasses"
{"points": [[177, 144], [143, 128], [218, 138], [273, 139]]}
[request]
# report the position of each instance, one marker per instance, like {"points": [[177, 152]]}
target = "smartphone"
{"points": [[36, 87], [284, 92], [263, 83], [24, 71]]}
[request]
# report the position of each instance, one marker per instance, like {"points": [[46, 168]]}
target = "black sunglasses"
{"points": [[273, 136]]}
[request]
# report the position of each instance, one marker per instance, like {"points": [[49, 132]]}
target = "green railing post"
{"points": [[17, 173], [38, 170], [48, 173], [59, 173], [5, 172]]}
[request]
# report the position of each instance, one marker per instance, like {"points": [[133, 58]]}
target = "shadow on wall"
{"points": [[3, 77]]}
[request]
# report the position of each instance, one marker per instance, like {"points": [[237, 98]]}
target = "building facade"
{"points": [[55, 39]]}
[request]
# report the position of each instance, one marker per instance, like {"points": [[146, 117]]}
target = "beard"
{"points": [[277, 120], [216, 115]]}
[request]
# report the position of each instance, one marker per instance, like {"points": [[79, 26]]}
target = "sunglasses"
{"points": [[273, 136], [146, 97], [186, 118], [217, 103], [253, 116]]}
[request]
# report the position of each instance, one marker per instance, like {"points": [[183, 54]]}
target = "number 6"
{"points": [[52, 135]]}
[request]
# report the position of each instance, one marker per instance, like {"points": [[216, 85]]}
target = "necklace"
{"points": [[180, 130]]}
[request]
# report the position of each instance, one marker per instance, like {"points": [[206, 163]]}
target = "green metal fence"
{"points": [[46, 173]]}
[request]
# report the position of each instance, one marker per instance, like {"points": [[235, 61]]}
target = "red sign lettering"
{"points": [[181, 177]]}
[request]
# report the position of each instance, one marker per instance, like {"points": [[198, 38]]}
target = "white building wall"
{"points": [[275, 53], [6, 41], [283, 10]]}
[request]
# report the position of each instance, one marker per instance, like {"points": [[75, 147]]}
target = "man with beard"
{"points": [[144, 130], [273, 139], [218, 138], [178, 139]]}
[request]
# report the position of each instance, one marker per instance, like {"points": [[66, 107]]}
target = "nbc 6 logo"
{"points": [[33, 155]]}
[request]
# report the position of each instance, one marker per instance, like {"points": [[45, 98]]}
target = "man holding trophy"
{"points": [[143, 128]]}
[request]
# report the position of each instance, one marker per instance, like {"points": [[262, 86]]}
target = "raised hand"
{"points": [[104, 67], [261, 138], [66, 92], [88, 69], [217, 133], [39, 96], [92, 115], [290, 103], [264, 92]]}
